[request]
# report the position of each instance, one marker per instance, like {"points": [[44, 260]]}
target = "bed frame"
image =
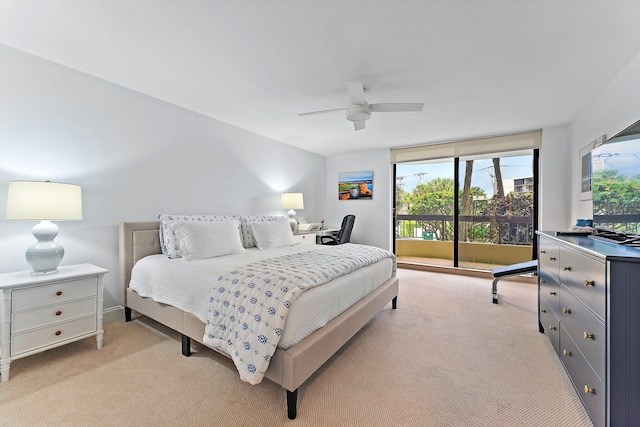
{"points": [[288, 368]]}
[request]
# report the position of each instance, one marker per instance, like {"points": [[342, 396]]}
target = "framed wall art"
{"points": [[585, 168], [355, 185]]}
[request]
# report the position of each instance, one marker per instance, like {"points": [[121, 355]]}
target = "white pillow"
{"points": [[245, 229], [272, 234], [168, 239], [208, 239]]}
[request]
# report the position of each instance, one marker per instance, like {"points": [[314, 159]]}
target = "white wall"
{"points": [[554, 213], [373, 217], [135, 157], [617, 107]]}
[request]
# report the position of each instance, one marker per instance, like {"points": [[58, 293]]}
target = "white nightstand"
{"points": [[305, 238], [46, 311]]}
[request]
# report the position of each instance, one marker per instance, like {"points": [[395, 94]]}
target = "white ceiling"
{"points": [[481, 67]]}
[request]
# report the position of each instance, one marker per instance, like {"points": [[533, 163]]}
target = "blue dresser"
{"points": [[589, 306]]}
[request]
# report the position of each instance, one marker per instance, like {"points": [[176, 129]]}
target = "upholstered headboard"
{"points": [[137, 240]]}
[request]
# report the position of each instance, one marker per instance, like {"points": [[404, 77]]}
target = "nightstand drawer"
{"points": [[30, 319], [32, 340], [305, 239], [25, 299]]}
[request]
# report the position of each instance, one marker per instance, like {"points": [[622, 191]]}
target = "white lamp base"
{"points": [[45, 256], [293, 222]]}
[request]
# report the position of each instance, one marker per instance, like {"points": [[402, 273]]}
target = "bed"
{"points": [[289, 367]]}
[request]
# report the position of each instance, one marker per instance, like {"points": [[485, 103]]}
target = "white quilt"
{"points": [[249, 304]]}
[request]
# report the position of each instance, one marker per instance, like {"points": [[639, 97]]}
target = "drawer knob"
{"points": [[552, 328], [59, 293], [543, 281], [589, 283], [566, 352], [566, 268], [552, 258], [543, 252], [588, 389], [566, 310], [58, 313], [553, 293], [588, 336], [543, 311], [58, 332]]}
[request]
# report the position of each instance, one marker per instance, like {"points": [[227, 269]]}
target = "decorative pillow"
{"points": [[208, 239], [170, 243], [245, 228], [272, 234]]}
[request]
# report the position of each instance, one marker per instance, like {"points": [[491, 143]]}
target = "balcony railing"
{"points": [[482, 229]]}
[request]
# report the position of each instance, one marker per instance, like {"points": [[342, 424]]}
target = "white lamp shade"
{"points": [[44, 200], [292, 201]]}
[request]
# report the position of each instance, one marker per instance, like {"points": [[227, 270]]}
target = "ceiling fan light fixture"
{"points": [[358, 113]]}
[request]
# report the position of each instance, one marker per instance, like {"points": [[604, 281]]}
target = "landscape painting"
{"points": [[355, 185]]}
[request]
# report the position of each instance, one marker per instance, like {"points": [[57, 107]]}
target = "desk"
{"points": [[325, 232]]}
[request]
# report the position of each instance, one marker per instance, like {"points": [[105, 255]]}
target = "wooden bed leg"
{"points": [[186, 346], [394, 302], [127, 314], [292, 404]]}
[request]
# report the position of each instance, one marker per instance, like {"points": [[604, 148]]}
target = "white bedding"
{"points": [[167, 280]]}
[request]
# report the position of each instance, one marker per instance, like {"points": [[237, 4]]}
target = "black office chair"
{"points": [[344, 235]]}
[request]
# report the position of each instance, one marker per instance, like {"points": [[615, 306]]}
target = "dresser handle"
{"points": [[566, 268], [552, 328], [553, 293], [566, 353], [589, 283], [58, 313], [543, 252], [552, 258], [58, 332], [588, 389], [587, 336], [566, 310], [59, 293], [543, 311]]}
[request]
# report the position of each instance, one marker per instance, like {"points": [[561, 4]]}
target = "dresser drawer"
{"points": [[549, 257], [585, 278], [590, 389], [30, 319], [34, 339], [549, 290], [550, 324], [25, 299], [587, 331]]}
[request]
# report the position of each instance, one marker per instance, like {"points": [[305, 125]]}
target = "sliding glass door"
{"points": [[425, 212], [475, 212], [496, 210]]}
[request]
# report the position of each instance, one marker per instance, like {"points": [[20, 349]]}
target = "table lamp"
{"points": [[44, 201], [292, 201]]}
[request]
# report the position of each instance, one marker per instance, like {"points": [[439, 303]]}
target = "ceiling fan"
{"points": [[359, 110]]}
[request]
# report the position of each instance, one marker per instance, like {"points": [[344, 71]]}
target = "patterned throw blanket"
{"points": [[249, 304]]}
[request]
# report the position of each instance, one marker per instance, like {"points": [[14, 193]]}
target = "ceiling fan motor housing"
{"points": [[358, 113]]}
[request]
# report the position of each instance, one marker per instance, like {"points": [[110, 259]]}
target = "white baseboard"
{"points": [[113, 313]]}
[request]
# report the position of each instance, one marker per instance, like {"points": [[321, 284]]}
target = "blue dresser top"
{"points": [[596, 247]]}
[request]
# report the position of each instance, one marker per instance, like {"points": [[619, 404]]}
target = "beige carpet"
{"points": [[446, 357]]}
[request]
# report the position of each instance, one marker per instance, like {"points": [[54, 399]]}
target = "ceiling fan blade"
{"points": [[321, 112], [358, 125], [391, 107], [356, 93]]}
